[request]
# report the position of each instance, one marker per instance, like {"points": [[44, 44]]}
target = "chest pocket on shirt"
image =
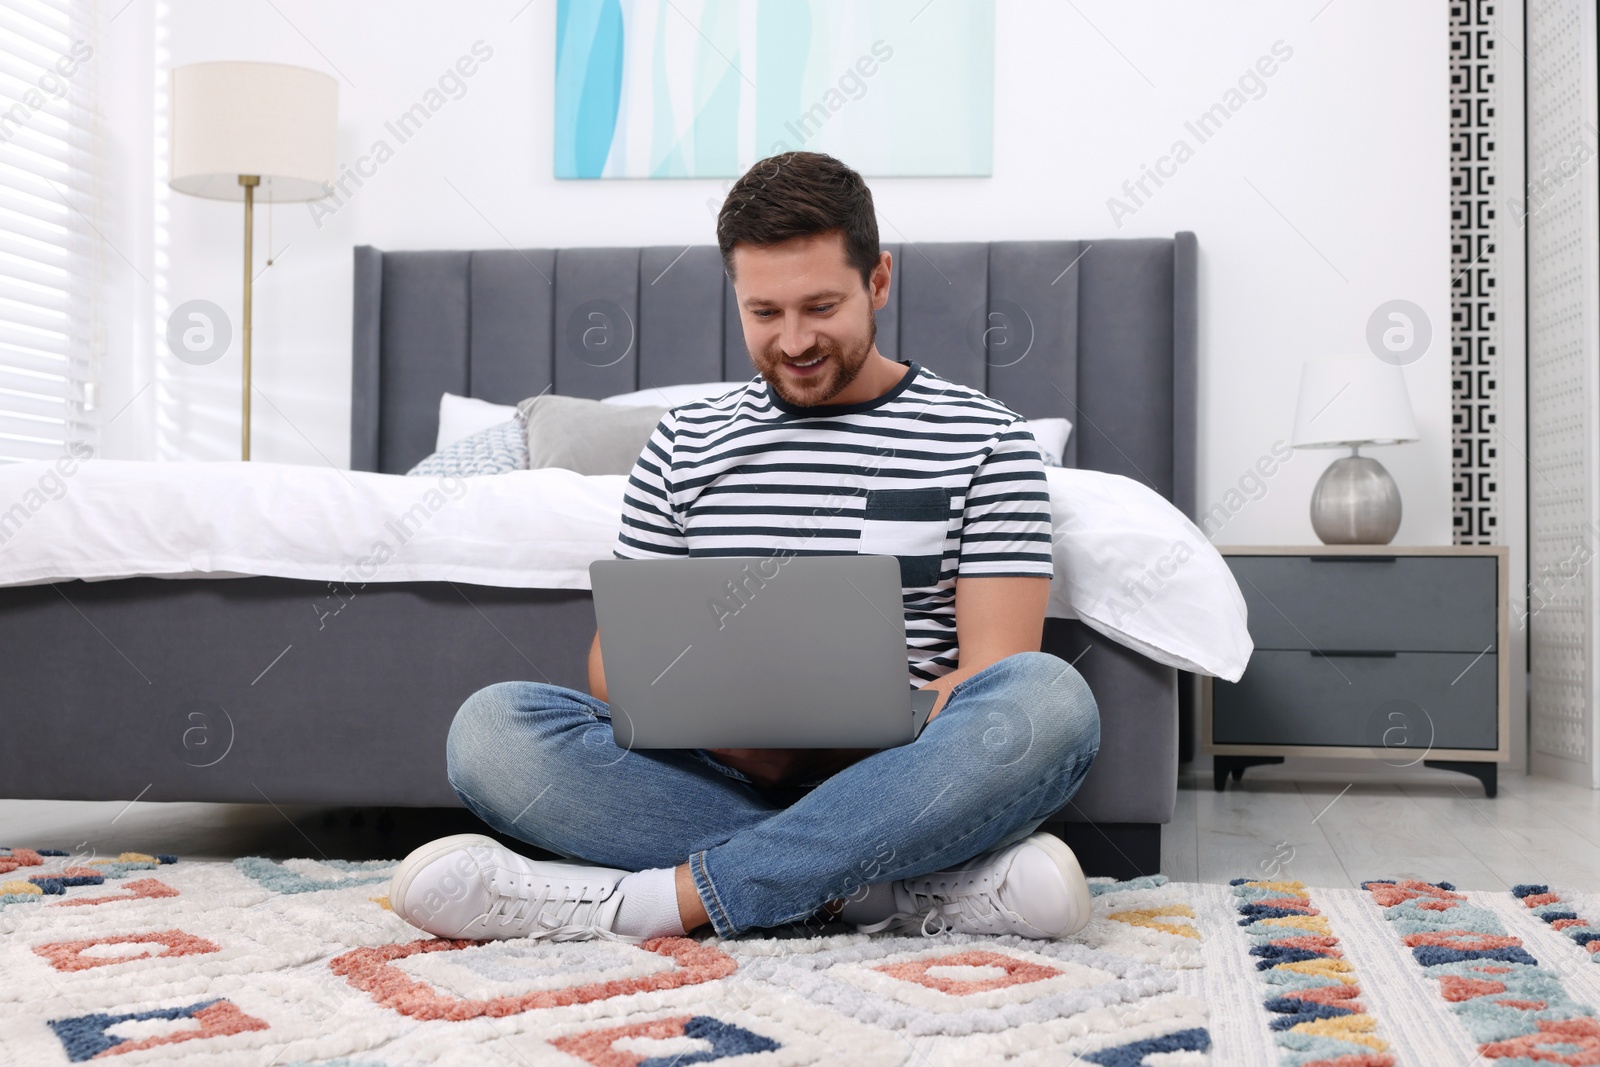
{"points": [[910, 524]]}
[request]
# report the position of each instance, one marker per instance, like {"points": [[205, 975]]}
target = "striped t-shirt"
{"points": [[938, 474]]}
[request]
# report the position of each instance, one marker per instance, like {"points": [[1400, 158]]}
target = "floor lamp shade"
{"points": [[271, 120]]}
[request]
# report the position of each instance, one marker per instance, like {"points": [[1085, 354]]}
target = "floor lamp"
{"points": [[234, 127]]}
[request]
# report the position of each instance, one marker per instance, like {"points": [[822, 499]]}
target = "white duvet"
{"points": [[1128, 564]]}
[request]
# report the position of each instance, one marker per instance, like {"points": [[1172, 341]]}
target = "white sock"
{"points": [[649, 905], [875, 905]]}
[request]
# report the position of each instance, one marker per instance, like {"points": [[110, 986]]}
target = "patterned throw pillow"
{"points": [[493, 451], [1051, 437]]}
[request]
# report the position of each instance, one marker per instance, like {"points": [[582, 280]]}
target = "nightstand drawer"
{"points": [[1421, 700], [1385, 603]]}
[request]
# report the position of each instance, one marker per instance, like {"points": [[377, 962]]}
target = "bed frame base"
{"points": [[1112, 850]]}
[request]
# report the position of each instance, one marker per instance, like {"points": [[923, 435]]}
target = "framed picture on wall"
{"points": [[704, 88]]}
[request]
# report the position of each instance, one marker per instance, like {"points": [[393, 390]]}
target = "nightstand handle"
{"points": [[1351, 559], [1349, 652]]}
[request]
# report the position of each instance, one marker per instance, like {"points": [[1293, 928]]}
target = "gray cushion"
{"points": [[500, 448], [585, 435]]}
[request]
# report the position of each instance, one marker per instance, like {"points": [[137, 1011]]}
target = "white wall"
{"points": [[1315, 203]]}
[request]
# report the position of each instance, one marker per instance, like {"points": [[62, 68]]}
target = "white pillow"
{"points": [[462, 416], [1051, 434], [672, 395], [1134, 568]]}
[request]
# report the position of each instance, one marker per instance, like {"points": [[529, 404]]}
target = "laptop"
{"points": [[757, 652]]}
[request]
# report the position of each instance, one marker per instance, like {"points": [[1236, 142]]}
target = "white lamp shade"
{"points": [[1352, 400], [268, 119]]}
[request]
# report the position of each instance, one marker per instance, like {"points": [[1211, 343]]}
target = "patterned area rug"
{"points": [[273, 964]]}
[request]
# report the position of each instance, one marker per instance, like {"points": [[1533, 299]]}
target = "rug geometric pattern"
{"points": [[154, 958]]}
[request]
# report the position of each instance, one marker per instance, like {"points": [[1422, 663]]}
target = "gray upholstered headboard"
{"points": [[1101, 332]]}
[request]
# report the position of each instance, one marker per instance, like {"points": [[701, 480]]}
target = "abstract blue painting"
{"points": [[704, 88]]}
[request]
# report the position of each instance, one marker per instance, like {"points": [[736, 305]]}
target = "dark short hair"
{"points": [[797, 194]]}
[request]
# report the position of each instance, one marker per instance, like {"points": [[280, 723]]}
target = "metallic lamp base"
{"points": [[1355, 503]]}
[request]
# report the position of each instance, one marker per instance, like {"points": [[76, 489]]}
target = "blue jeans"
{"points": [[1012, 743]]}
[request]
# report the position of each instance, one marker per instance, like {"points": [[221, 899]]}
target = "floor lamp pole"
{"points": [[249, 181]]}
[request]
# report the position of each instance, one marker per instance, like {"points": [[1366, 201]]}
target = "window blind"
{"points": [[49, 241]]}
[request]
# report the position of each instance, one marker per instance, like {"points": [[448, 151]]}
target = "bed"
{"points": [[263, 688]]}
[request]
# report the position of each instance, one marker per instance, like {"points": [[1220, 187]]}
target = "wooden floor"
{"points": [[1331, 831], [1318, 827]]}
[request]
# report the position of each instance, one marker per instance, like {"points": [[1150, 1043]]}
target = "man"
{"points": [[833, 448]]}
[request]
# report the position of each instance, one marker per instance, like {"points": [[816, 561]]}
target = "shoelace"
{"points": [[935, 905], [578, 923]]}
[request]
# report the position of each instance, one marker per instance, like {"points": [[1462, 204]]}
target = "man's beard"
{"points": [[842, 368]]}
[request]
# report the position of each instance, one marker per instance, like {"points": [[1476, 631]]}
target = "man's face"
{"points": [[801, 302]]}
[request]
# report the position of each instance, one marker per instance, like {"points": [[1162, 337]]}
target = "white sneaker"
{"points": [[468, 886], [1033, 888]]}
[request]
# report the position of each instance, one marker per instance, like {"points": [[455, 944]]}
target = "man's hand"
{"points": [[786, 766], [597, 669], [995, 617]]}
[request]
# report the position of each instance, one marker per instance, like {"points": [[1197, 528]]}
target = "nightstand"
{"points": [[1385, 652]]}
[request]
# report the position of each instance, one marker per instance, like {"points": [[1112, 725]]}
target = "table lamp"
{"points": [[1347, 402], [236, 125]]}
